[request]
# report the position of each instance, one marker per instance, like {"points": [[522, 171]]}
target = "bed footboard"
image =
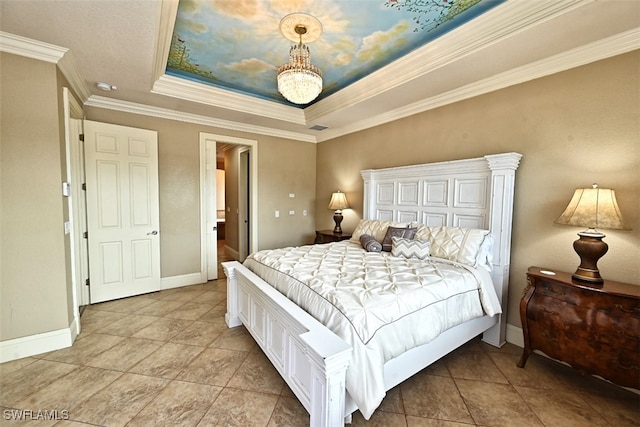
{"points": [[310, 358]]}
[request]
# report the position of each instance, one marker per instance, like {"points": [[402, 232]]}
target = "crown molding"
{"points": [[168, 13], [485, 30], [29, 48], [204, 94], [69, 69], [164, 113], [601, 49], [46, 52]]}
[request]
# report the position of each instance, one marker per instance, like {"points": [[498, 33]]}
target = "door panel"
{"points": [[122, 210]]}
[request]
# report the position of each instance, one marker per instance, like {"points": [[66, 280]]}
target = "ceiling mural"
{"points": [[237, 44]]}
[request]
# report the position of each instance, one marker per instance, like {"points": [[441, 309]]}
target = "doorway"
{"points": [[241, 205]]}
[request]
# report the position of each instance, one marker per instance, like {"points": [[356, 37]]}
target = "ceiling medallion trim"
{"points": [[299, 81], [311, 24]]}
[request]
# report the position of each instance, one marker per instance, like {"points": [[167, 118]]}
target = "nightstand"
{"points": [[327, 236], [593, 328]]}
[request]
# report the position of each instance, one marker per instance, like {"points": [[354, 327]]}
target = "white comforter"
{"points": [[380, 304]]}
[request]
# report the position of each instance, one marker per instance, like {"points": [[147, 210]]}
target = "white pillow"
{"points": [[470, 246], [375, 228]]}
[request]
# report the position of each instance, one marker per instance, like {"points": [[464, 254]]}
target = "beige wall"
{"points": [[573, 128], [34, 286], [284, 167]]}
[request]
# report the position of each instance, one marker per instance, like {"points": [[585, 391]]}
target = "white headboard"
{"points": [[469, 193]]}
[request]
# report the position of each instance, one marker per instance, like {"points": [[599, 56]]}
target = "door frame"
{"points": [[77, 214], [244, 204], [209, 209], [204, 196]]}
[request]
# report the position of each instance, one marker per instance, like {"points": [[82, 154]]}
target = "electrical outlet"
{"points": [[292, 195], [292, 212], [277, 214], [304, 212]]}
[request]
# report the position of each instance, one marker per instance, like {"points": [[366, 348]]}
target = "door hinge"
{"points": [[81, 137], [87, 282], [85, 234], [84, 186]]}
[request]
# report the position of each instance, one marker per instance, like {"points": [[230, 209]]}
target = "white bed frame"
{"points": [[470, 193]]}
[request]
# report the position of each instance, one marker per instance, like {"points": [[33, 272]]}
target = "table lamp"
{"points": [[592, 208], [338, 203]]}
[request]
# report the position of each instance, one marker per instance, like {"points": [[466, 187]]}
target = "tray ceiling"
{"points": [[486, 47], [238, 45]]}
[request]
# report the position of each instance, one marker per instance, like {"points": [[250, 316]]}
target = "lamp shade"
{"points": [[593, 208], [338, 201]]}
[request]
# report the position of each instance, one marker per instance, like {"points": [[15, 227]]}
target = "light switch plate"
{"points": [[66, 189]]}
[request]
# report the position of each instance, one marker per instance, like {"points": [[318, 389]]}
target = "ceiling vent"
{"points": [[318, 127]]}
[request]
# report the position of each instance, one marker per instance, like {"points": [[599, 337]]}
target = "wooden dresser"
{"points": [[595, 329]]}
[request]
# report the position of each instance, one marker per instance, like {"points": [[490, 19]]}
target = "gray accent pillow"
{"points": [[369, 243], [404, 232]]}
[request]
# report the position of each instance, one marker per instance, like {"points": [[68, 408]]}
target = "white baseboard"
{"points": [[31, 345], [514, 335], [183, 280], [232, 252]]}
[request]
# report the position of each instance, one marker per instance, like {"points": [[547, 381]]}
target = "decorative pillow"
{"points": [[410, 248], [404, 232], [470, 246], [374, 227], [369, 243]]}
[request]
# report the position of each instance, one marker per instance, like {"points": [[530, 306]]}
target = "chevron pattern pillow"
{"points": [[410, 248]]}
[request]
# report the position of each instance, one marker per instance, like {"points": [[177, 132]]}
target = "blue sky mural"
{"points": [[237, 44]]}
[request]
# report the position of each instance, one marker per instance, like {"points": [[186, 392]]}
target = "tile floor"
{"points": [[168, 358]]}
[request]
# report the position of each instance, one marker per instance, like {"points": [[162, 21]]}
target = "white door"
{"points": [[121, 166]]}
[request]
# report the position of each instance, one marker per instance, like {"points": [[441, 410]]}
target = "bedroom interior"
{"points": [[571, 110]]}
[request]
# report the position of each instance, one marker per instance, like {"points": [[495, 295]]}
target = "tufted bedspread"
{"points": [[380, 304]]}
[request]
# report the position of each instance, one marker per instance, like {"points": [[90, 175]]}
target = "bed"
{"points": [[447, 204]]}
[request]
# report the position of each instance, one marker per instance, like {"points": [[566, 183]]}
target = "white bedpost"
{"points": [[311, 359], [328, 375], [503, 169], [232, 316]]}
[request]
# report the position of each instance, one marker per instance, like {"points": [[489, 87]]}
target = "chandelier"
{"points": [[299, 81]]}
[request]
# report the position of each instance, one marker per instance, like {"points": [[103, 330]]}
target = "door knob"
{"points": [[152, 233]]}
